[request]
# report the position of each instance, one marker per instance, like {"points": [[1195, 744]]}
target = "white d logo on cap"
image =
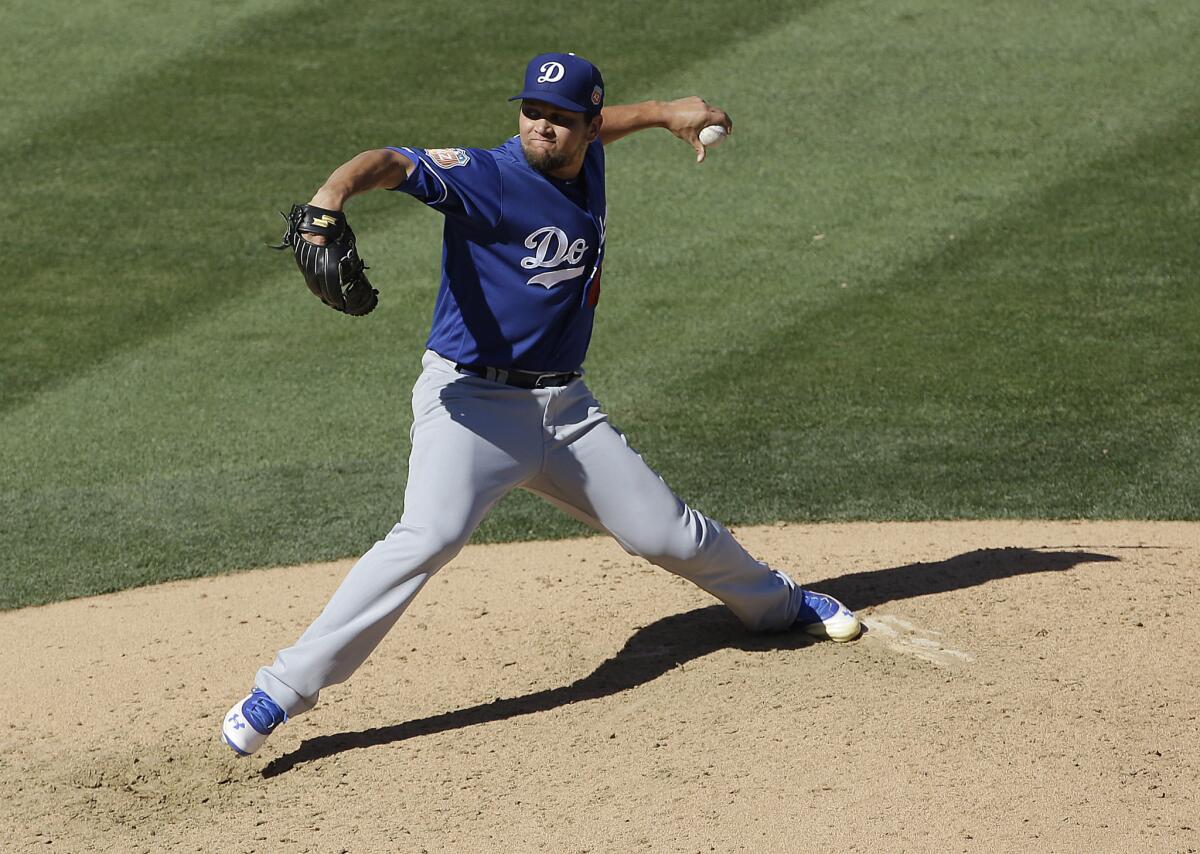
{"points": [[552, 72]]}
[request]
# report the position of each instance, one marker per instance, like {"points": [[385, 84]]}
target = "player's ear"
{"points": [[594, 128]]}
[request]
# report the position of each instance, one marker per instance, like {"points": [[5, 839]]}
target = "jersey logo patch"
{"points": [[552, 248], [448, 158]]}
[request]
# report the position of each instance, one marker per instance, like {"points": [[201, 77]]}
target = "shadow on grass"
{"points": [[667, 643]]}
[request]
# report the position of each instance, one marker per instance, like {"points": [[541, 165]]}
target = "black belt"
{"points": [[518, 378]]}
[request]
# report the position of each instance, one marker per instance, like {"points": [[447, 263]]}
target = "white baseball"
{"points": [[712, 135]]}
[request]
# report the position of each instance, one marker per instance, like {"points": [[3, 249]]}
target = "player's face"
{"points": [[555, 140]]}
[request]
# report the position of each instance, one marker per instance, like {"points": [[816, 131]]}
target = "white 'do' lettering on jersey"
{"points": [[552, 72], [552, 248]]}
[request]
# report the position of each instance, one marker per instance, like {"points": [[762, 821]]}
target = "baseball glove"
{"points": [[333, 272]]}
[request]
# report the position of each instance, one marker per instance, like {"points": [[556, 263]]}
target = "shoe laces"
{"points": [[262, 712]]}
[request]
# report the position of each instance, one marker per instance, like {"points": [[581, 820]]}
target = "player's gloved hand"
{"points": [[332, 269], [686, 117]]}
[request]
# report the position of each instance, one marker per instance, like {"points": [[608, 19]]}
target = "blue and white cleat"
{"points": [[825, 617], [247, 724]]}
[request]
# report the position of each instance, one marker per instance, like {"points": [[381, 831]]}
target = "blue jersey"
{"points": [[521, 256]]}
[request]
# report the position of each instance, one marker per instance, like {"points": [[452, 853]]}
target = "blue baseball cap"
{"points": [[564, 80]]}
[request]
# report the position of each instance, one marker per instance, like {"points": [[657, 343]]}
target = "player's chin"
{"points": [[540, 158]]}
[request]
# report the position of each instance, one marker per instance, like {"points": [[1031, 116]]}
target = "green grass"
{"points": [[943, 268]]}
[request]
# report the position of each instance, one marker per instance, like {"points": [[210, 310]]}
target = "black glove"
{"points": [[333, 272]]}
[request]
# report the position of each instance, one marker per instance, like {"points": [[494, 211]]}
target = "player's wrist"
{"points": [[657, 114], [329, 199], [678, 113]]}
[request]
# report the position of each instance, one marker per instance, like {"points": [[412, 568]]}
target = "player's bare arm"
{"points": [[684, 117], [380, 168]]}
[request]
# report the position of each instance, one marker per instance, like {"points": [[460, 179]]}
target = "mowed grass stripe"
{"points": [[59, 59], [1041, 365], [882, 129], [147, 208]]}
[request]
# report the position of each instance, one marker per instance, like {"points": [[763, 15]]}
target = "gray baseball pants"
{"points": [[473, 441]]}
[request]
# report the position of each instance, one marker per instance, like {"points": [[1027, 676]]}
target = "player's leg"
{"points": [[602, 482], [471, 443], [593, 473]]}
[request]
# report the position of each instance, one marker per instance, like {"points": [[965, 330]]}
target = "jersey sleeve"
{"points": [[463, 183]]}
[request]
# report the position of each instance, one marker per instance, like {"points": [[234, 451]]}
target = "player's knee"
{"points": [[442, 543], [434, 544], [672, 544], [679, 540]]}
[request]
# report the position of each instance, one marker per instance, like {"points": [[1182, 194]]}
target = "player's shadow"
{"points": [[665, 644]]}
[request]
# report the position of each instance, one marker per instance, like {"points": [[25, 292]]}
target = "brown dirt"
{"points": [[1024, 686]]}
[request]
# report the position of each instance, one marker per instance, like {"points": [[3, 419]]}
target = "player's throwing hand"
{"points": [[686, 117]]}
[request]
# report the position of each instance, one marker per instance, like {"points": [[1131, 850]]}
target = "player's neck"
{"points": [[570, 172]]}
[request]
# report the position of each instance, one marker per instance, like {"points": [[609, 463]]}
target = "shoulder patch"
{"points": [[448, 158]]}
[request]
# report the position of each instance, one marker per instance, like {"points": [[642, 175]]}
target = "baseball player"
{"points": [[500, 402]]}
